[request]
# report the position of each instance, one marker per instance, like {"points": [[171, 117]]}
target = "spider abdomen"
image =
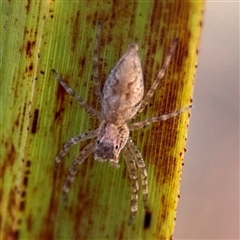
{"points": [[123, 90]]}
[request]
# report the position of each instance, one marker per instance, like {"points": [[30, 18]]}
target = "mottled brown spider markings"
{"points": [[122, 98]]}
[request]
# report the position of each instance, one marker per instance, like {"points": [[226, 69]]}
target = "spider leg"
{"points": [[142, 168], [160, 76], [164, 117], [74, 140], [95, 61], [132, 170], [82, 102], [73, 169]]}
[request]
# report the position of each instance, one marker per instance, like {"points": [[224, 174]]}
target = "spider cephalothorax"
{"points": [[110, 141]]}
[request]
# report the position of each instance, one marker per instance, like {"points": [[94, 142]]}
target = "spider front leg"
{"points": [[73, 169], [74, 140], [132, 170], [142, 168]]}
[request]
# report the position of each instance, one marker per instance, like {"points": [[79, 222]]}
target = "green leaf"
{"points": [[37, 116]]}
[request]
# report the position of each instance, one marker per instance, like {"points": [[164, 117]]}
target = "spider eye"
{"points": [[116, 147], [98, 141]]}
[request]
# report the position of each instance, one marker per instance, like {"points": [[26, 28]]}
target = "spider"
{"points": [[121, 99]]}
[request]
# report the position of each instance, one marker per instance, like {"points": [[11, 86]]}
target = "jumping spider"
{"points": [[122, 98]]}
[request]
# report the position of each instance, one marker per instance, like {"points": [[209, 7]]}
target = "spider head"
{"points": [[110, 141]]}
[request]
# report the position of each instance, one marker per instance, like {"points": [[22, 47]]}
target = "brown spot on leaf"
{"points": [[35, 121], [147, 219], [27, 7], [25, 181], [13, 234], [29, 48], [75, 30], [22, 206]]}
